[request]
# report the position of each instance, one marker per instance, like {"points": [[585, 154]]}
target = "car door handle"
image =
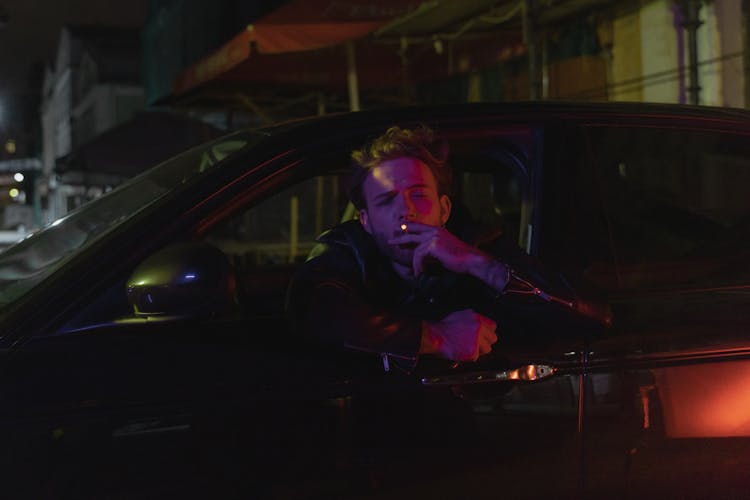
{"points": [[526, 373]]}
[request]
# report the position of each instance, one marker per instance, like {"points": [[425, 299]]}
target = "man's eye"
{"points": [[385, 200]]}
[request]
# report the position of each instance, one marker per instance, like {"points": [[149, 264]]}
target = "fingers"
{"points": [[484, 347], [491, 334], [488, 338], [487, 335], [437, 242], [417, 262], [487, 322], [406, 238], [467, 335], [418, 227], [414, 233], [425, 244], [426, 247], [485, 343]]}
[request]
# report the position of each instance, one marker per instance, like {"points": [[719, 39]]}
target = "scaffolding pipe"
{"points": [[692, 23], [351, 77], [530, 38], [293, 228]]}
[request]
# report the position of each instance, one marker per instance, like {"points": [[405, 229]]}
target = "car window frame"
{"points": [[296, 166]]}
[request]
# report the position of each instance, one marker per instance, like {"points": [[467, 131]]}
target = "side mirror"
{"points": [[183, 280]]}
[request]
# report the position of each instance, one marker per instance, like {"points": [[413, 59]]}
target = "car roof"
{"points": [[522, 110]]}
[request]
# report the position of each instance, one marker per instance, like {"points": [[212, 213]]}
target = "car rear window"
{"points": [[675, 206]]}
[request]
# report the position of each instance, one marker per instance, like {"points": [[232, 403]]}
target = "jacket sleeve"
{"points": [[328, 302]]}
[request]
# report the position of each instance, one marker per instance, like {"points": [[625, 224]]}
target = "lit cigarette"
{"points": [[404, 228]]}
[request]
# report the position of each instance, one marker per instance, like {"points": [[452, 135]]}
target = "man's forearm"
{"points": [[491, 271], [337, 313]]}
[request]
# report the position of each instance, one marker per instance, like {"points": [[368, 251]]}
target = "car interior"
{"points": [[265, 242]]}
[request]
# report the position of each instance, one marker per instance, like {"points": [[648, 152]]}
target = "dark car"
{"points": [[146, 351]]}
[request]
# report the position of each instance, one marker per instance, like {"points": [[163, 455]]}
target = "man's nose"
{"points": [[407, 210]]}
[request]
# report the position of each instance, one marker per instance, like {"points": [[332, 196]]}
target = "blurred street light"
{"points": [[18, 177]]}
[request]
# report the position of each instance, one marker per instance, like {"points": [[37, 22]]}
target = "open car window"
{"points": [[266, 236], [265, 241]]}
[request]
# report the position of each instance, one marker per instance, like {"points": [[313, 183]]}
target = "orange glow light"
{"points": [[705, 400]]}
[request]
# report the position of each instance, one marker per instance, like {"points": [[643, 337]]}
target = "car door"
{"points": [[107, 402], [104, 403], [523, 398], [470, 428], [188, 408], [666, 410]]}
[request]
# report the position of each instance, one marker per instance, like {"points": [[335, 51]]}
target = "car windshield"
{"points": [[28, 262]]}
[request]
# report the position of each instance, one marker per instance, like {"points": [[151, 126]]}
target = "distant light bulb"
{"points": [[438, 46], [14, 192], [18, 176]]}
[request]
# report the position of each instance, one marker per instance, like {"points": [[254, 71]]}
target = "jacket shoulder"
{"points": [[344, 246]]}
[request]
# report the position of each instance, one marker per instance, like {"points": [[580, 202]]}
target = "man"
{"points": [[397, 282]]}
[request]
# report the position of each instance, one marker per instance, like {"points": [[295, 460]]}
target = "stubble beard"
{"points": [[399, 254]]}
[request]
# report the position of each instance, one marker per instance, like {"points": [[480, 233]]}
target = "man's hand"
{"points": [[440, 244], [460, 336]]}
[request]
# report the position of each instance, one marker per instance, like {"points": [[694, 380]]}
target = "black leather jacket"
{"points": [[348, 294]]}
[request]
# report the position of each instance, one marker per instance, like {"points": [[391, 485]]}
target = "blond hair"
{"points": [[397, 142]]}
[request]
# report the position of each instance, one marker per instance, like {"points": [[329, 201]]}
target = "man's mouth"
{"points": [[402, 230]]}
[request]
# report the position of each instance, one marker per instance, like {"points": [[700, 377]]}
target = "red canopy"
{"points": [[310, 45], [313, 24], [277, 48]]}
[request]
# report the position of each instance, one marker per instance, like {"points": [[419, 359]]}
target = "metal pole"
{"points": [[692, 23], [404, 55], [746, 53], [319, 194], [544, 70], [351, 77], [293, 228], [582, 385], [321, 104], [530, 38]]}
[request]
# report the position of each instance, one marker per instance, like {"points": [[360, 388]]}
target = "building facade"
{"points": [[94, 85], [651, 53]]}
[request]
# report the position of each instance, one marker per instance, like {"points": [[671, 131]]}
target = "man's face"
{"points": [[397, 192]]}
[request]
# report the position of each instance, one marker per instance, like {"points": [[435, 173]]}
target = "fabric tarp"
{"points": [[297, 44], [304, 45], [313, 24]]}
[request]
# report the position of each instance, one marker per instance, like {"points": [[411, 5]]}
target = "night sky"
{"points": [[32, 33]]}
